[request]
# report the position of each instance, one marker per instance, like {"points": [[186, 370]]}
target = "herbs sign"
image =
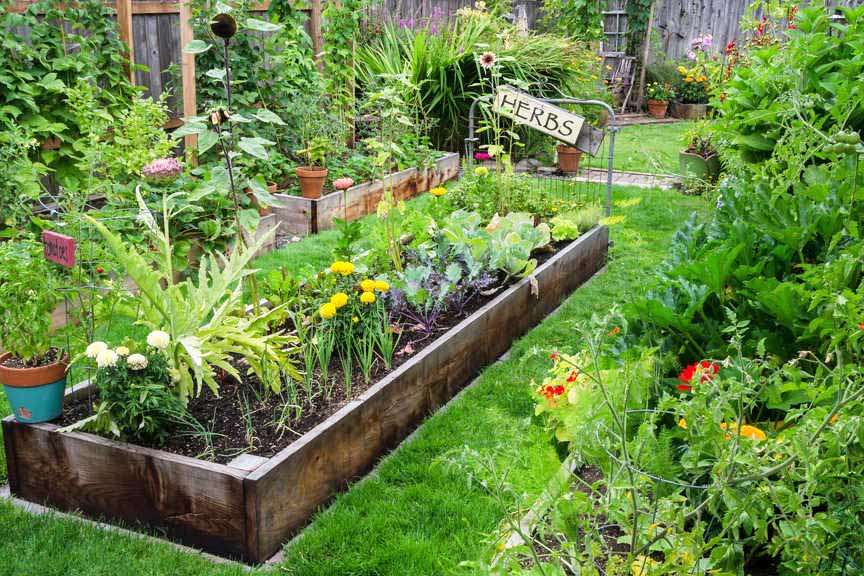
{"points": [[546, 118]]}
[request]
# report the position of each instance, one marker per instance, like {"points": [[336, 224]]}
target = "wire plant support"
{"points": [[595, 171]]}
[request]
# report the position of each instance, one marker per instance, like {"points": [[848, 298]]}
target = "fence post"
{"points": [[315, 25], [187, 68], [124, 27]]}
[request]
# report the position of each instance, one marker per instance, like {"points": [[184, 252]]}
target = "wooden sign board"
{"points": [[544, 117], [59, 248]]}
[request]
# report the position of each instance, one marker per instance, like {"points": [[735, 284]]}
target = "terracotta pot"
{"points": [[689, 111], [51, 144], [658, 108], [35, 394], [312, 180], [568, 159]]}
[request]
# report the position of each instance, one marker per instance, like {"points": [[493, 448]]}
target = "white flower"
{"points": [[137, 362], [106, 358], [158, 339], [122, 351], [95, 348]]}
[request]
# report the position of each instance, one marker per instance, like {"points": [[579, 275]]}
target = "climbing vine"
{"points": [[638, 12], [576, 19], [341, 23]]}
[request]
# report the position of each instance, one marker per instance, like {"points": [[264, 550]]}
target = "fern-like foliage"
{"points": [[206, 319]]}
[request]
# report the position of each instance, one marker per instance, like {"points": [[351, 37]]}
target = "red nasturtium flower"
{"points": [[615, 331], [706, 370], [553, 391], [573, 375], [554, 356], [861, 326]]}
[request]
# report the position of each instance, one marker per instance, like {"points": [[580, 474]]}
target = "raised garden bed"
{"points": [[303, 216], [250, 506]]}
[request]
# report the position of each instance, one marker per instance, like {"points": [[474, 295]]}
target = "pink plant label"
{"points": [[59, 248]]}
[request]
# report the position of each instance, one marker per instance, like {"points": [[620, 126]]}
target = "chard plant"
{"points": [[204, 319]]}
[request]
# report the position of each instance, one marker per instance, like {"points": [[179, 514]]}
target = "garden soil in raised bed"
{"points": [[225, 418]]}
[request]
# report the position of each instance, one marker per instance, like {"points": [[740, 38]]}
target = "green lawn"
{"points": [[650, 147], [413, 515]]}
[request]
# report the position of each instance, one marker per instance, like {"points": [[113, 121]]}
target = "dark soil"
{"points": [[243, 419], [49, 358]]}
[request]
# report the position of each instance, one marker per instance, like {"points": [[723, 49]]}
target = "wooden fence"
{"points": [[156, 31], [677, 22]]}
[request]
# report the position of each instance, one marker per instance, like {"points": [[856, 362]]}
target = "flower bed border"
{"points": [[300, 216], [248, 508]]}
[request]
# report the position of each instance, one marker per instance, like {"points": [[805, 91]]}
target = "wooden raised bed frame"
{"points": [[302, 216], [248, 511]]}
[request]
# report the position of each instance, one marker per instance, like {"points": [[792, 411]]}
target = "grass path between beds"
{"points": [[414, 514]]}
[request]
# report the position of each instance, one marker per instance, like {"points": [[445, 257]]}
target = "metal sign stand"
{"points": [[607, 132]]}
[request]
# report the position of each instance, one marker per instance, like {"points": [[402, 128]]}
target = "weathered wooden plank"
{"points": [[294, 215], [301, 216], [190, 105], [124, 28], [198, 502], [283, 493]]}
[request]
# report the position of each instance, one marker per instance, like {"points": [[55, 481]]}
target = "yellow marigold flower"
{"points": [[688, 79], [382, 286], [746, 431], [439, 191], [355, 319], [702, 78], [682, 70], [342, 267], [367, 298], [481, 171], [682, 423], [752, 432], [327, 311], [339, 299], [367, 285]]}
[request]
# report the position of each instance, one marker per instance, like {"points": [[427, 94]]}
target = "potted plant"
{"points": [[313, 175], [691, 101], [33, 372], [658, 96], [568, 158], [699, 160]]}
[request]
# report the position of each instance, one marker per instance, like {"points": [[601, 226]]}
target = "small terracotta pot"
{"points": [[568, 159], [35, 394], [658, 108], [312, 180], [51, 144]]}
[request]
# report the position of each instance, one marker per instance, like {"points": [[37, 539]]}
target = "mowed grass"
{"points": [[414, 514], [650, 148]]}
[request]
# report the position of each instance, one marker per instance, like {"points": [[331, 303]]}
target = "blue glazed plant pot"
{"points": [[35, 394]]}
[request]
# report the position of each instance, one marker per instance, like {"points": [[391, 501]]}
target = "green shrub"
{"points": [[28, 295]]}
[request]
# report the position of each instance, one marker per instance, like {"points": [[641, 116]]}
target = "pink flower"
{"points": [[343, 183], [691, 55], [162, 170], [481, 156]]}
